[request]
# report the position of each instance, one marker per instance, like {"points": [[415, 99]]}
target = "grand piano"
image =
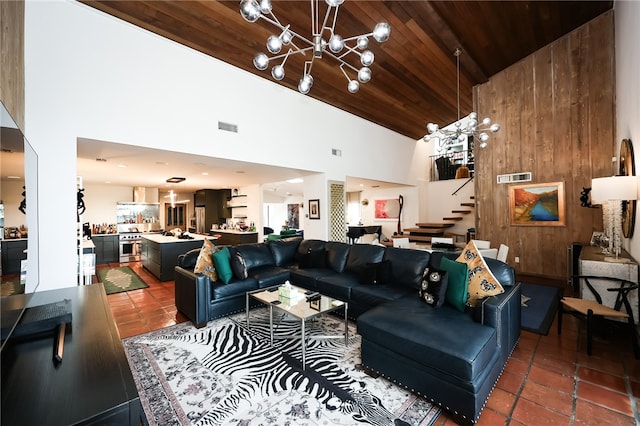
{"points": [[355, 232]]}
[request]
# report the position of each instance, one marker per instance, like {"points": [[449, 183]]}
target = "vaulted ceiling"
{"points": [[414, 73]]}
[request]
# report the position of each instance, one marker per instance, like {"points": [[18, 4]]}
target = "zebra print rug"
{"points": [[226, 374]]}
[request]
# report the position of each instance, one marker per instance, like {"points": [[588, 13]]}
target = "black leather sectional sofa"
{"points": [[451, 358]]}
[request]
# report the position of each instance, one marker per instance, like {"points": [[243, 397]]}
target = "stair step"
{"points": [[434, 225], [468, 204], [456, 218], [435, 232], [461, 211], [420, 238]]}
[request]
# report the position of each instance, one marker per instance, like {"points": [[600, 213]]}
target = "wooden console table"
{"points": [[593, 262], [92, 385]]}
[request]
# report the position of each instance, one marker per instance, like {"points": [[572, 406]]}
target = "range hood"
{"points": [[147, 195]]}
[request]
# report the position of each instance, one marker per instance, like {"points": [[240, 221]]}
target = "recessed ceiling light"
{"points": [[122, 166], [205, 174], [296, 180], [13, 177], [162, 163], [176, 179]]}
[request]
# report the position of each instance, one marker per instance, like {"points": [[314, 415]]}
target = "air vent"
{"points": [[336, 152], [228, 127], [515, 177]]}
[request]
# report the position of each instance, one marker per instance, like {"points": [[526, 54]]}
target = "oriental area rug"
{"points": [[119, 279], [227, 374]]}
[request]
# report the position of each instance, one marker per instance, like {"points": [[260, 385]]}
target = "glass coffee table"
{"points": [[305, 307]]}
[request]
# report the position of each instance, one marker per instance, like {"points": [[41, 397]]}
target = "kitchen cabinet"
{"points": [[106, 248], [160, 253], [214, 202], [238, 206], [13, 252]]}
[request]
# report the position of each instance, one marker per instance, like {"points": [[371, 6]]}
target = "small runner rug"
{"points": [[539, 307], [228, 374], [119, 279]]}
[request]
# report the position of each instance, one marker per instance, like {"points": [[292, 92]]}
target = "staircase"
{"points": [[424, 231]]}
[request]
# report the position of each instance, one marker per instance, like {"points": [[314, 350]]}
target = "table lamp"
{"points": [[611, 192]]}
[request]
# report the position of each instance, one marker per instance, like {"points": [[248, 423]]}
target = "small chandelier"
{"points": [[323, 40], [445, 137]]}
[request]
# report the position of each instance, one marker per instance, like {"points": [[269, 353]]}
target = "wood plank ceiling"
{"points": [[414, 73]]}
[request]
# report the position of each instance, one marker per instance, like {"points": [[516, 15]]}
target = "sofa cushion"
{"points": [[361, 254], [313, 259], [234, 288], [238, 265], [308, 278], [434, 287], [338, 285], [373, 295], [284, 251], [222, 261], [204, 263], [457, 284], [482, 283], [407, 266], [308, 245], [188, 260], [256, 255], [337, 254], [375, 273], [268, 276], [440, 339]]}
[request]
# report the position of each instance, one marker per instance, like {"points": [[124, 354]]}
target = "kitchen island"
{"points": [[159, 253], [232, 237]]}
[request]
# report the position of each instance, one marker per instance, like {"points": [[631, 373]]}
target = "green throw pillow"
{"points": [[222, 260], [457, 287]]}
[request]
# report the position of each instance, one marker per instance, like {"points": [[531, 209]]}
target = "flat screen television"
{"points": [[13, 148]]}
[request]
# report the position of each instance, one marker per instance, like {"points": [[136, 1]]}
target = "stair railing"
{"points": [[462, 186]]}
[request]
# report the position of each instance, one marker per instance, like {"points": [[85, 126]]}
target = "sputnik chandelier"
{"points": [[324, 41], [468, 126]]}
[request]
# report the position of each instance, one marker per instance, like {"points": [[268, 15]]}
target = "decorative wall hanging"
{"points": [[627, 167], [314, 209], [293, 215], [538, 204], [23, 204], [387, 209]]}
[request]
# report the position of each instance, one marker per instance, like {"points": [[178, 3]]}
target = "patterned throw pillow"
{"points": [[482, 283], [433, 288], [204, 264]]}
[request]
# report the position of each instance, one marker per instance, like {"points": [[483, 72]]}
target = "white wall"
{"points": [[101, 201], [90, 75], [627, 33]]}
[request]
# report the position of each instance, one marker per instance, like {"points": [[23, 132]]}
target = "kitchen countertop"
{"points": [[231, 231], [159, 238]]}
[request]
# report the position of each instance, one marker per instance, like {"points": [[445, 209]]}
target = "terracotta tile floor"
{"points": [[549, 380]]}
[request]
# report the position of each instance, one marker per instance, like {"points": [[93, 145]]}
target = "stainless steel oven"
{"points": [[130, 247]]}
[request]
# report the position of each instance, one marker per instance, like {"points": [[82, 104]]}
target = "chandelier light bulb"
{"points": [[353, 86], [265, 6], [486, 121], [483, 145], [277, 72], [484, 137], [367, 58], [362, 42], [494, 127], [274, 44], [364, 75], [261, 61], [432, 127], [336, 43], [250, 10], [305, 84], [334, 3], [286, 36], [381, 32]]}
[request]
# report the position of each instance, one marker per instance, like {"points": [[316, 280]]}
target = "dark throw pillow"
{"points": [[375, 273], [433, 289], [239, 266], [457, 284], [222, 260]]}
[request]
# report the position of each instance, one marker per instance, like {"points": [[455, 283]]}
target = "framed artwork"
{"points": [[293, 214], [387, 209], [314, 209], [538, 204]]}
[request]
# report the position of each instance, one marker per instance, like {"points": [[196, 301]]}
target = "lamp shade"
{"points": [[614, 188]]}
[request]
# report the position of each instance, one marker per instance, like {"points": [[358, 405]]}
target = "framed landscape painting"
{"points": [[538, 204]]}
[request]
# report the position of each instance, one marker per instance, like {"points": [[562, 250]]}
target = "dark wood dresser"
{"points": [[92, 385]]}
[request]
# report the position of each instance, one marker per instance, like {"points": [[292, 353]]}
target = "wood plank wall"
{"points": [[557, 111], [12, 58]]}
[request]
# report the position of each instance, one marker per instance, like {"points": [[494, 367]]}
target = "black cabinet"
{"points": [[215, 203], [107, 248], [13, 252]]}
